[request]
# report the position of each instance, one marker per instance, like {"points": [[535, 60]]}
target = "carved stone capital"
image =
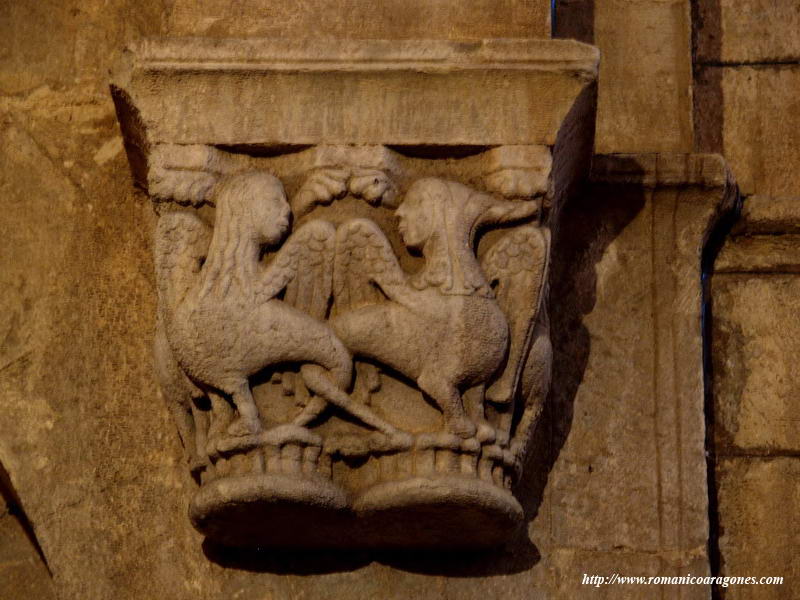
{"points": [[352, 259]]}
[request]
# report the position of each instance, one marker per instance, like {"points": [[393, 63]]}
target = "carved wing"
{"points": [[181, 246], [364, 256], [517, 265], [304, 268]]}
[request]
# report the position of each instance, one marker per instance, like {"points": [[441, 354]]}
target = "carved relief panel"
{"points": [[353, 338]]}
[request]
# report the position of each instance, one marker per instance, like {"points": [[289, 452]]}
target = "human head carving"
{"points": [[254, 201], [422, 211]]}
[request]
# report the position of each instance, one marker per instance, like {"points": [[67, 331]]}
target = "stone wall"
{"points": [[747, 69], [95, 468]]}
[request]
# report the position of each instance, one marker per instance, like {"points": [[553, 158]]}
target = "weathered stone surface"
{"points": [[769, 215], [764, 238], [569, 567], [70, 46], [299, 92], [645, 96], [754, 295], [758, 128], [363, 19], [759, 503], [754, 382], [89, 444], [645, 77], [636, 241], [748, 31], [67, 424], [760, 254], [22, 572]]}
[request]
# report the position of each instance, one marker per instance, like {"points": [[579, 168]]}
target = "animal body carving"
{"points": [[329, 303], [441, 327], [222, 315]]}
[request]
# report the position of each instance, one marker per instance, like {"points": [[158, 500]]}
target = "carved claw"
{"points": [[486, 434], [322, 187], [462, 427], [196, 465], [374, 186], [517, 183], [502, 438], [242, 427]]}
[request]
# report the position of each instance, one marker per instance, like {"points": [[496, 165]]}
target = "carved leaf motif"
{"points": [[321, 187]]}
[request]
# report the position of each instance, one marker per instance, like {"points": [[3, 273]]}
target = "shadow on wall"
{"points": [[589, 224], [573, 19]]}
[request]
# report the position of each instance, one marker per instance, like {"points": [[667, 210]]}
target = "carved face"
{"points": [[276, 223], [273, 214], [416, 218]]}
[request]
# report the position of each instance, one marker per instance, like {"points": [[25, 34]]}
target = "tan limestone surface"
{"points": [[22, 572], [759, 525], [363, 19], [644, 94], [769, 215], [756, 382], [646, 70], [753, 296], [754, 305], [748, 31], [91, 450], [757, 125], [745, 96]]}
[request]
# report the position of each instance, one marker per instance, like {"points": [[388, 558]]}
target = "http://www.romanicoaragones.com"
{"points": [[721, 581]]}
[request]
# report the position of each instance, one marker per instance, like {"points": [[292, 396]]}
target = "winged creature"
{"points": [[443, 326], [221, 312]]}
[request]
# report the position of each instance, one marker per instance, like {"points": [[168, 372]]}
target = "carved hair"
{"points": [[451, 265], [231, 255]]}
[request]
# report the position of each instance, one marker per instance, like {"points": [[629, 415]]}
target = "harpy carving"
{"points": [[352, 328], [456, 334]]}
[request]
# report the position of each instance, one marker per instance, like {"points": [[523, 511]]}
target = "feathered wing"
{"points": [[304, 268], [364, 257], [517, 266], [181, 245]]}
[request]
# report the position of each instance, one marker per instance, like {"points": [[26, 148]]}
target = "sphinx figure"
{"points": [[442, 327], [220, 318], [328, 315]]}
